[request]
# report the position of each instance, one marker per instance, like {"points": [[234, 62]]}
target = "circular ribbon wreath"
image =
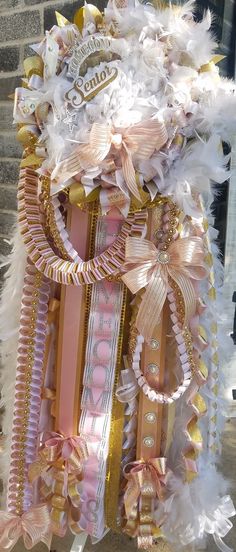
{"points": [[43, 256]]}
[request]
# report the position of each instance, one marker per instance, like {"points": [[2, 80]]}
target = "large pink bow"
{"points": [[141, 140], [154, 269], [33, 526]]}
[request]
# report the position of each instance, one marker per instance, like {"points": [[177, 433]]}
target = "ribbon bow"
{"points": [[146, 482], [141, 140], [128, 388], [145, 479], [153, 269], [33, 526], [60, 463], [70, 451]]}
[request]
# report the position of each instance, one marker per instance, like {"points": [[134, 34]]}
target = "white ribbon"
{"points": [[188, 525], [50, 57], [218, 524], [129, 388]]}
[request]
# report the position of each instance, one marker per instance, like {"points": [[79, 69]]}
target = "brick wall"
{"points": [[23, 22]]}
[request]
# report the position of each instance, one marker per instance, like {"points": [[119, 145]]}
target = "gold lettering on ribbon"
{"points": [[84, 91]]}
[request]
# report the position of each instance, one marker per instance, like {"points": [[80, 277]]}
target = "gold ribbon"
{"points": [[210, 66], [61, 20], [146, 482], [80, 16], [33, 526], [71, 452], [33, 65], [62, 460], [48, 394], [32, 160], [154, 269], [140, 140]]}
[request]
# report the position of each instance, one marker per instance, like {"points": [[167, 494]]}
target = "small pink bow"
{"points": [[146, 479], [71, 450], [33, 526], [151, 268], [141, 140]]}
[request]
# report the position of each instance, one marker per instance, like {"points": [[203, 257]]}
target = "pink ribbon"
{"points": [[33, 526], [154, 269], [72, 450], [139, 140]]}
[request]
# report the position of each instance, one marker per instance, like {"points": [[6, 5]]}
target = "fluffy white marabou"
{"points": [[198, 510]]}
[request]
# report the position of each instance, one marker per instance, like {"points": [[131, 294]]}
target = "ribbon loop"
{"points": [[140, 140], [60, 462], [71, 451], [146, 482], [33, 526]]}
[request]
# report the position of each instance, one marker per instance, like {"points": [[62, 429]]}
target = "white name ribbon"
{"points": [[98, 383]]}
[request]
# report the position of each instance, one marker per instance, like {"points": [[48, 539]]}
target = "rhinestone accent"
{"points": [[158, 234], [148, 442], [150, 417], [155, 344], [163, 257], [153, 368]]}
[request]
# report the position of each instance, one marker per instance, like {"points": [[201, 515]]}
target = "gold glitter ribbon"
{"points": [[72, 451], [146, 482], [61, 460], [116, 434], [151, 268]]}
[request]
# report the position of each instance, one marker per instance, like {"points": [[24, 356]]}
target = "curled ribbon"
{"points": [[72, 451], [33, 526], [218, 523], [128, 388], [151, 268], [146, 482], [139, 140], [60, 463]]}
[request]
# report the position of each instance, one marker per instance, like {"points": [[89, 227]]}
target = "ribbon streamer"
{"points": [[128, 388], [146, 483], [33, 526], [151, 268], [72, 451], [140, 140], [60, 463]]}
